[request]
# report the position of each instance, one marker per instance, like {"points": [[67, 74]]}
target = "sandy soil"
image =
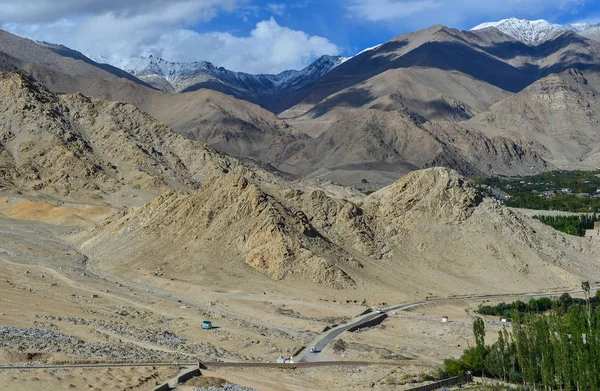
{"points": [[86, 379], [48, 287], [76, 215], [327, 378], [419, 334]]}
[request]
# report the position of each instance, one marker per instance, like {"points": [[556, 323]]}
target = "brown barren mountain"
{"points": [[76, 147], [468, 67], [370, 111], [372, 148], [231, 125], [561, 113], [429, 232]]}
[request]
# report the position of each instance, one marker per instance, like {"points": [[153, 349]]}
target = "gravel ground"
{"points": [[155, 336], [50, 341]]}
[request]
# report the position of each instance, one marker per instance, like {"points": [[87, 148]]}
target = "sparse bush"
{"points": [[339, 346]]}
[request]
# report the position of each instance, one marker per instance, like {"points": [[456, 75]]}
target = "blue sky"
{"points": [[257, 36], [345, 22]]}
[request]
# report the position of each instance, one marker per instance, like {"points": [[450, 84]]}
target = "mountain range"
{"points": [[353, 180], [172, 76], [437, 96], [185, 77]]}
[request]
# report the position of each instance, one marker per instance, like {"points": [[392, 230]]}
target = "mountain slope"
{"points": [[73, 147], [185, 77], [59, 58], [372, 148], [432, 93], [251, 225], [429, 233], [560, 112], [439, 77], [491, 59], [231, 126], [234, 126]]}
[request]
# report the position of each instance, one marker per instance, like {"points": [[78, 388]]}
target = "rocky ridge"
{"points": [[177, 76], [268, 236], [77, 147], [430, 226], [535, 32], [559, 113]]}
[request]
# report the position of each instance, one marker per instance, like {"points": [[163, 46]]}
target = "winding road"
{"points": [[377, 317]]}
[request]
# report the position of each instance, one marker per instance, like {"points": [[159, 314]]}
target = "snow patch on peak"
{"points": [[535, 32], [186, 74], [582, 26], [532, 32]]}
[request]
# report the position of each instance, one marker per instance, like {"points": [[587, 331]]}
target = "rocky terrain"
{"points": [[82, 149], [560, 114], [372, 148], [409, 229], [234, 126]]}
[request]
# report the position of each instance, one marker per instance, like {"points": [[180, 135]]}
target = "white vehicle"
{"points": [[313, 350], [379, 311]]}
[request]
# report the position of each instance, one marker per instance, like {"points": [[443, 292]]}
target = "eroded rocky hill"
{"points": [[431, 232]]}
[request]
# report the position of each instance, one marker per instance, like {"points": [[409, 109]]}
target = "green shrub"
{"points": [[514, 376]]}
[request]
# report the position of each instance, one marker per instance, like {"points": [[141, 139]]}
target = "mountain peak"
{"points": [[535, 32], [187, 76], [531, 32]]}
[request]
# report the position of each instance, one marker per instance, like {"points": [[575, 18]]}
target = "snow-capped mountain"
{"points": [[534, 32], [590, 30], [185, 76]]}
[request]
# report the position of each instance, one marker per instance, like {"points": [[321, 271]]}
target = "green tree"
{"points": [[479, 333]]}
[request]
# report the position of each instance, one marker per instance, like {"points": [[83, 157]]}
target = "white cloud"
{"points": [[420, 13], [270, 48], [277, 8], [117, 29], [45, 11], [378, 10]]}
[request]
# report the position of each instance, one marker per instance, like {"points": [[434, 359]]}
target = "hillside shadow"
{"points": [[360, 68], [452, 56], [353, 98], [448, 56], [369, 63], [512, 49]]}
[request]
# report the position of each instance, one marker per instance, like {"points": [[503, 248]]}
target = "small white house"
{"points": [[444, 319]]}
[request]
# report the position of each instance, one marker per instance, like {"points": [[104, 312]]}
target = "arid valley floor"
{"points": [[74, 313]]}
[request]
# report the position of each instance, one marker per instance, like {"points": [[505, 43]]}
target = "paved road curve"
{"points": [[377, 317]]}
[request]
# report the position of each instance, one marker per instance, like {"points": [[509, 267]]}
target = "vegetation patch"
{"points": [[569, 191], [572, 225], [556, 349], [538, 306]]}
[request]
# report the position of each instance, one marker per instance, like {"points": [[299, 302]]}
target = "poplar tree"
{"points": [[479, 333]]}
